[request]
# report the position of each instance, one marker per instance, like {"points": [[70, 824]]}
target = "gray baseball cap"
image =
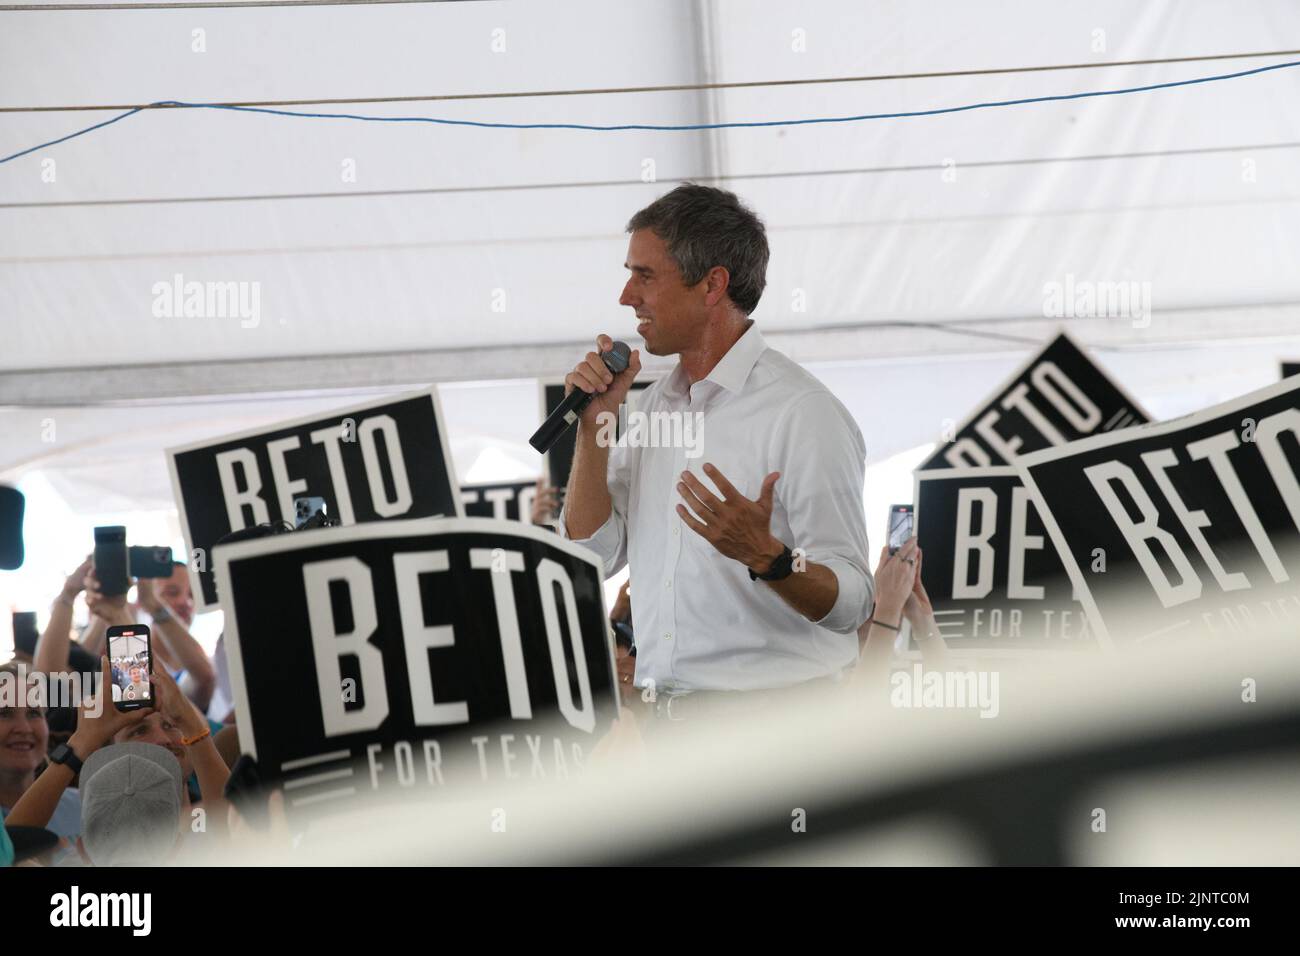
{"points": [[130, 804]]}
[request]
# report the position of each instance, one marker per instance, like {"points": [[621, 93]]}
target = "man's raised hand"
{"points": [[737, 526]]}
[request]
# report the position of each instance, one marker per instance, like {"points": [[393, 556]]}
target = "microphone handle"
{"points": [[566, 415], [561, 420]]}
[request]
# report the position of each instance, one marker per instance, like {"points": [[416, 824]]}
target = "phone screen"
{"points": [[900, 526], [131, 665]]}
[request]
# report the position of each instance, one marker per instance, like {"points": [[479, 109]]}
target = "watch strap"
{"points": [[782, 567], [65, 755]]}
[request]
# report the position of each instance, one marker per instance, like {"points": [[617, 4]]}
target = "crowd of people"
{"points": [[94, 785], [767, 573]]}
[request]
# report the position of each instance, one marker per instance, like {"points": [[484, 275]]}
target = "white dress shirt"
{"points": [[700, 622]]}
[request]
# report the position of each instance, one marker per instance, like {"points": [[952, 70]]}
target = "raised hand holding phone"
{"points": [[172, 703], [901, 522], [98, 723]]}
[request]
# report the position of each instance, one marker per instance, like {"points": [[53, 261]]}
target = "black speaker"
{"points": [[11, 528]]}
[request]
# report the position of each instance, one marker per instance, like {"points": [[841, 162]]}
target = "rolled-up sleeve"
{"points": [[822, 460], [609, 541]]}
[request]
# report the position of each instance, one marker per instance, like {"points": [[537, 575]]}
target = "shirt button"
{"points": [[668, 585], [668, 637]]}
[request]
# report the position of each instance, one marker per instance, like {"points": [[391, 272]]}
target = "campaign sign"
{"points": [[1186, 528], [994, 578], [371, 462], [404, 656], [1058, 396], [559, 460], [512, 500]]}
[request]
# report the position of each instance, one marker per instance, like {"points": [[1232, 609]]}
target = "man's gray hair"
{"points": [[705, 227]]}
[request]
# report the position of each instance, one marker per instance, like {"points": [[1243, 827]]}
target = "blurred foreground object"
{"points": [[1183, 757], [11, 528]]}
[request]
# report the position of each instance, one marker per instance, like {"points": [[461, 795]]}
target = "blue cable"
{"points": [[652, 127]]}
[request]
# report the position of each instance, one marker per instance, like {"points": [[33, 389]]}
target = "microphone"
{"points": [[566, 415]]}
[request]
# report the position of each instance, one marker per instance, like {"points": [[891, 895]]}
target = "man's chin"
{"points": [[652, 349]]}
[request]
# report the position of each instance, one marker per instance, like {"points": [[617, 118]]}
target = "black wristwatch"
{"points": [[64, 754], [782, 567]]}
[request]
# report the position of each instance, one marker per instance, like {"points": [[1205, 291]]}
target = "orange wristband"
{"points": [[188, 741]]}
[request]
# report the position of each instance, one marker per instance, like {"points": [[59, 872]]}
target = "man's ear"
{"points": [[717, 281]]}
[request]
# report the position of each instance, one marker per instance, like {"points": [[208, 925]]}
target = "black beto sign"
{"points": [[371, 462], [408, 655], [1185, 528], [1290, 368], [1057, 397], [512, 500], [559, 460], [993, 576]]}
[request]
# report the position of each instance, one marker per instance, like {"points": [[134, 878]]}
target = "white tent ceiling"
{"points": [[391, 279]]}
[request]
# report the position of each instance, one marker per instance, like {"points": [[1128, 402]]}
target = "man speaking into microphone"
{"points": [[748, 550]]}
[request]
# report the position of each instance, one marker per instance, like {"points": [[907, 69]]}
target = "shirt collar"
{"points": [[732, 370]]}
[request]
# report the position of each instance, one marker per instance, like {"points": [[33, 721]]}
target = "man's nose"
{"points": [[627, 298]]}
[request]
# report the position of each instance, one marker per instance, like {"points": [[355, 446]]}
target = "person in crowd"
{"points": [[168, 597], [24, 764], [137, 685], [24, 741], [226, 741], [139, 680], [620, 619], [174, 646], [725, 606], [55, 650], [546, 503], [900, 596], [132, 805], [173, 723], [170, 604]]}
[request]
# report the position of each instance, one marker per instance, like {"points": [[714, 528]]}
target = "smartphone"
{"points": [[130, 659], [111, 560], [149, 561], [306, 508], [900, 526]]}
